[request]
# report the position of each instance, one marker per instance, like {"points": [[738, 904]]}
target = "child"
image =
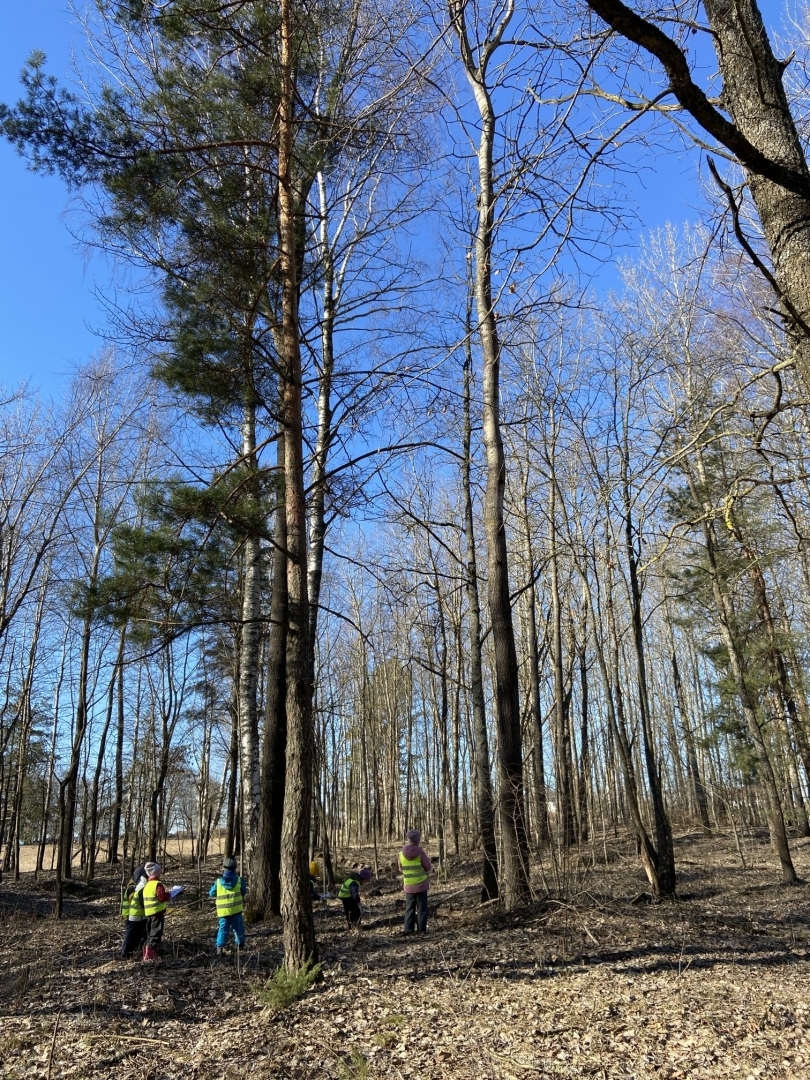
{"points": [[229, 890], [314, 874], [132, 910], [155, 901], [350, 895]]}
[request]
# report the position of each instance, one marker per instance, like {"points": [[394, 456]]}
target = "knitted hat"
{"points": [[365, 874], [152, 869], [229, 863], [413, 836], [138, 873]]}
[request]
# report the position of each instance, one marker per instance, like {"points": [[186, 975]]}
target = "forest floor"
{"points": [[601, 984]]}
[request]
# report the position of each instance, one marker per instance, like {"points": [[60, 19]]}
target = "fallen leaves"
{"points": [[592, 986]]}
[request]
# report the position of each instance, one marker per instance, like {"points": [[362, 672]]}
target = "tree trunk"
{"points": [[115, 823], [692, 767], [249, 646], [725, 617], [68, 786], [665, 853], [90, 867], [299, 929], [755, 97], [481, 762], [562, 730], [763, 137], [264, 898], [514, 868]]}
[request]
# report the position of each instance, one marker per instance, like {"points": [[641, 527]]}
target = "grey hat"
{"points": [[152, 868], [413, 836], [229, 863]]}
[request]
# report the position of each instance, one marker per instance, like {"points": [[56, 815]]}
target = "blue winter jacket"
{"points": [[228, 878]]}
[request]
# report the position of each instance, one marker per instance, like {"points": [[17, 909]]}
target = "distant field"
{"points": [[178, 847]]}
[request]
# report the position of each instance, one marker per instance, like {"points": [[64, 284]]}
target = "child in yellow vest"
{"points": [[133, 911], [349, 894], [155, 901], [229, 890], [414, 865]]}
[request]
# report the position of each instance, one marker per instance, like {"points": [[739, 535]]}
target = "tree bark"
{"points": [[296, 907], [514, 866], [115, 823], [481, 762], [264, 898], [665, 851], [249, 645], [761, 134]]}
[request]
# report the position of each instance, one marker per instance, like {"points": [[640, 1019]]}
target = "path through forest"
{"points": [[605, 985]]}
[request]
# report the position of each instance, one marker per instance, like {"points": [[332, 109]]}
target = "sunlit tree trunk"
{"points": [[514, 865]]}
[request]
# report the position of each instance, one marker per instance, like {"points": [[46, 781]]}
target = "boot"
{"points": [[149, 955]]}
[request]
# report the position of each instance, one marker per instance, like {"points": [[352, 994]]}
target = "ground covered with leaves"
{"points": [[597, 982]]}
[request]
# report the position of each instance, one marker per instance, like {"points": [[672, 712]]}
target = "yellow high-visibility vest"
{"points": [[151, 904], [229, 898], [412, 870], [132, 903], [346, 888]]}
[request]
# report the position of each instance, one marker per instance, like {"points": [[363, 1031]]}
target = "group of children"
{"points": [[146, 898], [414, 866]]}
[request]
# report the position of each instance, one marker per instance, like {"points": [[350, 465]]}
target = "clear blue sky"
{"points": [[48, 310], [47, 304]]}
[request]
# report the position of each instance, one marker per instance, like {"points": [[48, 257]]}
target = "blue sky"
{"points": [[46, 291], [48, 307]]}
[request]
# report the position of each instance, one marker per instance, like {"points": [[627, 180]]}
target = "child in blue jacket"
{"points": [[229, 891]]}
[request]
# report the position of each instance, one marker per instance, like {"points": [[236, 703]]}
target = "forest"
{"points": [[413, 486]]}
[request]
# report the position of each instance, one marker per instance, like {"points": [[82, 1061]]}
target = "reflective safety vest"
{"points": [[229, 898], [346, 888], [151, 904], [132, 903], [412, 870]]}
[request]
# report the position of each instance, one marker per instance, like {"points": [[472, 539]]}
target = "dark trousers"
{"points": [[416, 912], [154, 930], [351, 909], [134, 937]]}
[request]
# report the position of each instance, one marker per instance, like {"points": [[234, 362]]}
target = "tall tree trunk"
{"points": [[535, 707], [481, 763], [584, 786], [514, 866], [264, 898], [725, 617], [90, 867], [665, 851], [233, 784], [299, 929], [68, 785], [249, 645], [692, 766], [614, 700], [115, 823], [562, 729]]}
